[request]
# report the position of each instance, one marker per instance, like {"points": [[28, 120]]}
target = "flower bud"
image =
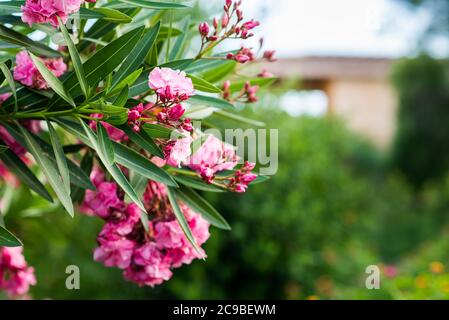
{"points": [[204, 29], [225, 20]]}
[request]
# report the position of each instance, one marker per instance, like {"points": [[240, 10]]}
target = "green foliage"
{"points": [[420, 149]]}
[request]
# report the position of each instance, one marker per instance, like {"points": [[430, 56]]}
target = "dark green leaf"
{"points": [[143, 140], [200, 205], [52, 80], [23, 173], [7, 239], [17, 38], [181, 219], [137, 56], [49, 169], [154, 5]]}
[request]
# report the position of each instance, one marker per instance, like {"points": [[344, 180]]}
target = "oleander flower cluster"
{"points": [[98, 115], [146, 258], [16, 276]]}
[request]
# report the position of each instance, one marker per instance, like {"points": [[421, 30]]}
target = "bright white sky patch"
{"points": [[338, 27]]}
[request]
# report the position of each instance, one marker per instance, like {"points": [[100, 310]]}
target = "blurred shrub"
{"points": [[420, 150]]}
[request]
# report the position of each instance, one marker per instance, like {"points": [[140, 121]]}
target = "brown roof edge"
{"points": [[329, 67]]}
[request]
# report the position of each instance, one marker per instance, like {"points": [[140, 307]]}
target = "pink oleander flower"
{"points": [[151, 266], [4, 97], [114, 250], [26, 72], [15, 276], [170, 84], [177, 151], [102, 200], [168, 235], [114, 133], [213, 156], [47, 11], [185, 253]]}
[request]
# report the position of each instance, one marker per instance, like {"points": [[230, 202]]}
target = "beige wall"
{"points": [[368, 107]]}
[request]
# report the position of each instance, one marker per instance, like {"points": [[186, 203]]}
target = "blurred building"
{"points": [[357, 89]]}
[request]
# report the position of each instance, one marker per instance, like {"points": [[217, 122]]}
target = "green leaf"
{"points": [[49, 169], [181, 219], [211, 102], [100, 145], [76, 59], [154, 5], [124, 156], [105, 144], [137, 56], [200, 205], [3, 148], [203, 85], [143, 140], [87, 163], [122, 98], [9, 78], [7, 239], [180, 42], [77, 176], [127, 82], [23, 173], [85, 13], [157, 131], [113, 15], [197, 184], [9, 7], [60, 157], [103, 62], [238, 118], [219, 72], [17, 38], [52, 80]]}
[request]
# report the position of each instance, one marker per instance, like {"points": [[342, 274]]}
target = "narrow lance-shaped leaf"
{"points": [[76, 59], [52, 80], [182, 219], [7, 239], [200, 205], [105, 144], [103, 149], [60, 157], [49, 169], [25, 175], [137, 56], [154, 5], [11, 83]]}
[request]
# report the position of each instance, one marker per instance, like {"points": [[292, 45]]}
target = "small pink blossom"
{"points": [[26, 72], [114, 250], [213, 156], [47, 11], [177, 151], [15, 276], [102, 200], [170, 84]]}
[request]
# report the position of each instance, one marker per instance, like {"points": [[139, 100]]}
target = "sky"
{"points": [[380, 28]]}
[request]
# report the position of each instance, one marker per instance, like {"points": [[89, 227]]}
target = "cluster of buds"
{"points": [[242, 56], [171, 116], [230, 25], [242, 178], [134, 117], [248, 94]]}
